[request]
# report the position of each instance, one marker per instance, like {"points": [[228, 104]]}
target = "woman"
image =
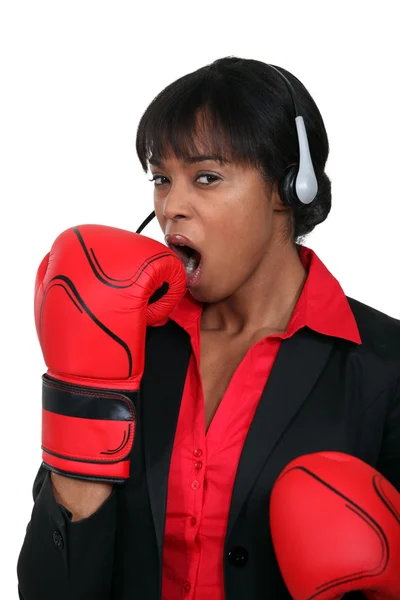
{"points": [[263, 360]]}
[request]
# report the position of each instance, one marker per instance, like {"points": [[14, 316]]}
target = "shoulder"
{"points": [[380, 335], [375, 325]]}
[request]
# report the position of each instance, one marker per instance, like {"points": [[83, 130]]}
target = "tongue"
{"points": [[192, 265], [189, 260], [196, 258], [182, 255]]}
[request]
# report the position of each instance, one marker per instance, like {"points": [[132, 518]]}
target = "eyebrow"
{"points": [[193, 159]]}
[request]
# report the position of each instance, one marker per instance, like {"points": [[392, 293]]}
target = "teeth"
{"points": [[191, 266]]}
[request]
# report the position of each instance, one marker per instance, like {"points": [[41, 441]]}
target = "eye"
{"points": [[209, 177], [157, 178]]}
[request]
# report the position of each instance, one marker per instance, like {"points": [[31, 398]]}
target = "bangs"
{"points": [[200, 114]]}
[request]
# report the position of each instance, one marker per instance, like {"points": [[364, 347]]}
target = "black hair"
{"points": [[246, 112]]}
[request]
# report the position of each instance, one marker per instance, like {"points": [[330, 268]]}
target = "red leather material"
{"points": [[92, 295], [335, 525], [89, 440], [95, 294]]}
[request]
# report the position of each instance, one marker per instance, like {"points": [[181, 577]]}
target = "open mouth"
{"points": [[190, 258]]}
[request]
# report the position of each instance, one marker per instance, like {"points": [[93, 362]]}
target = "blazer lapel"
{"points": [[167, 359], [298, 365]]}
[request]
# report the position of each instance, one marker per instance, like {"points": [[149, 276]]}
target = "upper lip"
{"points": [[177, 239]]}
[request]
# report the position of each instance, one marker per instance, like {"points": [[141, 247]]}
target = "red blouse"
{"points": [[203, 465]]}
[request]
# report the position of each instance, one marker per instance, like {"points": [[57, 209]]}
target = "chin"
{"points": [[208, 295], [203, 295]]}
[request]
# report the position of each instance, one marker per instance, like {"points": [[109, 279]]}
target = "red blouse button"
{"points": [[187, 587], [198, 452], [195, 485], [193, 521], [198, 465]]}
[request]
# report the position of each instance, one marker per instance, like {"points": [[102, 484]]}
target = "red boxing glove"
{"points": [[335, 525], [95, 294]]}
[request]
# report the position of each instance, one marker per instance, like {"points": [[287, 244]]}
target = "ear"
{"points": [[276, 200]]}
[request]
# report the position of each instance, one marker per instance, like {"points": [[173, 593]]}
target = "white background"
{"points": [[76, 77]]}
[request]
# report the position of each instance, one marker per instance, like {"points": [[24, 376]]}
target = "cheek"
{"points": [[249, 209], [162, 221], [245, 229], [242, 222]]}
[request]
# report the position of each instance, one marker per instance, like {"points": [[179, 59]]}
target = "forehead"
{"points": [[197, 142]]}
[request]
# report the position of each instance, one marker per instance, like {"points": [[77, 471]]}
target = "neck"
{"points": [[265, 301]]}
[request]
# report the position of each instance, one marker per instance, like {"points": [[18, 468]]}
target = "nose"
{"points": [[176, 204]]}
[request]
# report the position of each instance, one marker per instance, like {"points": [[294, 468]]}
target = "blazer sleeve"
{"points": [[389, 456], [64, 559]]}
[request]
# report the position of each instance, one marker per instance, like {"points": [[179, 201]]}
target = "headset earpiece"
{"points": [[287, 186]]}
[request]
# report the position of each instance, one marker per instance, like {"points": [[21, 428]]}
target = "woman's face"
{"points": [[226, 213]]}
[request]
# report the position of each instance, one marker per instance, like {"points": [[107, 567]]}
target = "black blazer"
{"points": [[323, 394]]}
